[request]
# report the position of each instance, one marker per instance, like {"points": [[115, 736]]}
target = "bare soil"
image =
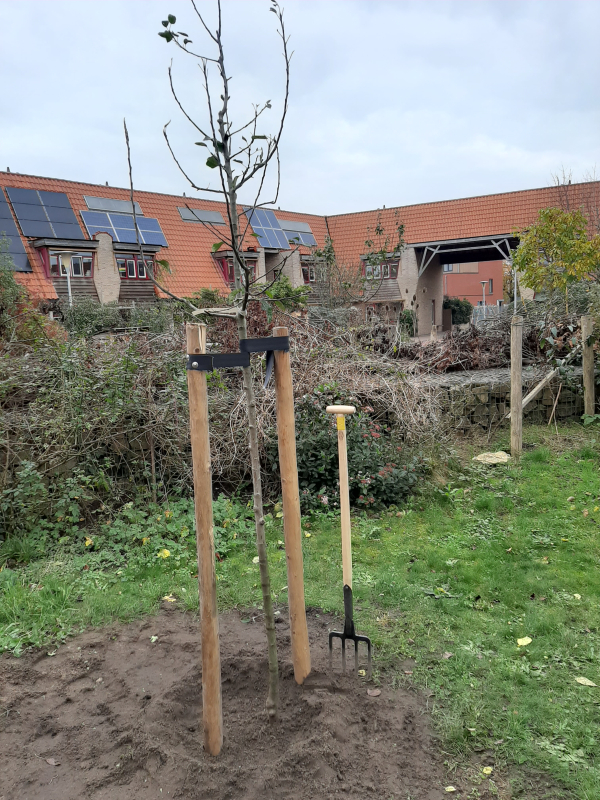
{"points": [[113, 714]]}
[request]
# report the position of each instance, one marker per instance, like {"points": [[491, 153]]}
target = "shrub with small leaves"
{"points": [[380, 473]]}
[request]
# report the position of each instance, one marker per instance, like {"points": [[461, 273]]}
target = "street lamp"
{"points": [[67, 254], [483, 283]]}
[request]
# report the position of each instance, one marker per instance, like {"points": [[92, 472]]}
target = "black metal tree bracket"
{"points": [[266, 345]]}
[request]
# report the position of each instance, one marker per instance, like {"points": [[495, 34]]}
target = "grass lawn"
{"points": [[444, 590]]}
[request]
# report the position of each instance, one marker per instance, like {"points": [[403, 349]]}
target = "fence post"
{"points": [[516, 386], [212, 712], [589, 399], [288, 467]]}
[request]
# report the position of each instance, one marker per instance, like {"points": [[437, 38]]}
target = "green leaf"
{"points": [[259, 137], [216, 246], [200, 144], [220, 146], [212, 162], [166, 35], [171, 19], [165, 23], [187, 41], [237, 161], [254, 234]]}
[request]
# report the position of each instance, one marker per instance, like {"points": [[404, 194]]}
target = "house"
{"points": [[71, 239]]}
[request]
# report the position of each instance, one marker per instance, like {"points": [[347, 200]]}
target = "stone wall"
{"points": [[482, 399]]}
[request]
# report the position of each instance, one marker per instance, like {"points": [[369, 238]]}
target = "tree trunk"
{"points": [[259, 517]]}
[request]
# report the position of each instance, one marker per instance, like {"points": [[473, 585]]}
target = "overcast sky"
{"points": [[391, 103]]}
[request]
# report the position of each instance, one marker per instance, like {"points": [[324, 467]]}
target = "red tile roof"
{"points": [[466, 218], [189, 251]]}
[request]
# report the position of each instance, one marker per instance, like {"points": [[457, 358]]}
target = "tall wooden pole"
{"points": [[589, 398], [516, 386], [288, 467], [212, 712]]}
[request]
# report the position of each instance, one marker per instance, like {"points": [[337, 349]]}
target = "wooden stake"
{"points": [[516, 386], [212, 712], [589, 399], [288, 467]]}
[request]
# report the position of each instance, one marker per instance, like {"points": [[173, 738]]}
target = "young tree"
{"points": [[341, 285], [240, 154], [555, 251]]}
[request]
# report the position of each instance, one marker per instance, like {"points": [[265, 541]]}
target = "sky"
{"points": [[391, 103]]}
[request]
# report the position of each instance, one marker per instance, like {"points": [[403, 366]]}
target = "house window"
{"points": [[448, 267], [384, 271], [491, 289], [133, 267], [226, 265], [308, 274], [79, 265]]}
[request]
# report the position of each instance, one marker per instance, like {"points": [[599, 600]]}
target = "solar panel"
{"points": [[27, 211], [37, 229], [121, 221], [9, 230], [67, 230], [150, 237], [61, 214], [267, 228], [120, 227], [23, 195], [201, 215], [20, 262], [55, 199], [148, 224], [300, 237], [294, 225], [44, 214], [127, 235]]}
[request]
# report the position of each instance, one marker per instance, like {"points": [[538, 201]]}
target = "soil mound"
{"points": [[115, 713]]}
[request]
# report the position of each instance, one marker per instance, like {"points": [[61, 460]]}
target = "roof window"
{"points": [[116, 206]]}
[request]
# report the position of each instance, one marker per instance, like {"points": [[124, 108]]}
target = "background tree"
{"points": [[240, 154], [340, 285], [555, 251]]}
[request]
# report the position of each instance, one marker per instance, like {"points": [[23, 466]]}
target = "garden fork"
{"points": [[349, 630]]}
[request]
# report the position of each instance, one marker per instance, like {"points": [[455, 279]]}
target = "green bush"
{"points": [[379, 472], [461, 309], [87, 317]]}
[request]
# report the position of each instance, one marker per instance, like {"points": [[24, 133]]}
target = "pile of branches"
{"points": [[117, 409]]}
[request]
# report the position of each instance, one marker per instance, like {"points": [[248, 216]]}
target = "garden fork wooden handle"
{"points": [[340, 412]]}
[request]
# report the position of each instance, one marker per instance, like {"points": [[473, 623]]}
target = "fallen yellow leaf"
{"points": [[524, 641], [169, 598], [308, 535], [577, 596], [487, 770], [596, 508], [585, 681], [572, 508], [362, 673], [255, 560], [164, 553], [450, 789], [88, 541], [145, 539]]}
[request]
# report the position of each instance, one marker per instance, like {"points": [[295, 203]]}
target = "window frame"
{"points": [[386, 271], [308, 274], [225, 264], [128, 263], [55, 266]]}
